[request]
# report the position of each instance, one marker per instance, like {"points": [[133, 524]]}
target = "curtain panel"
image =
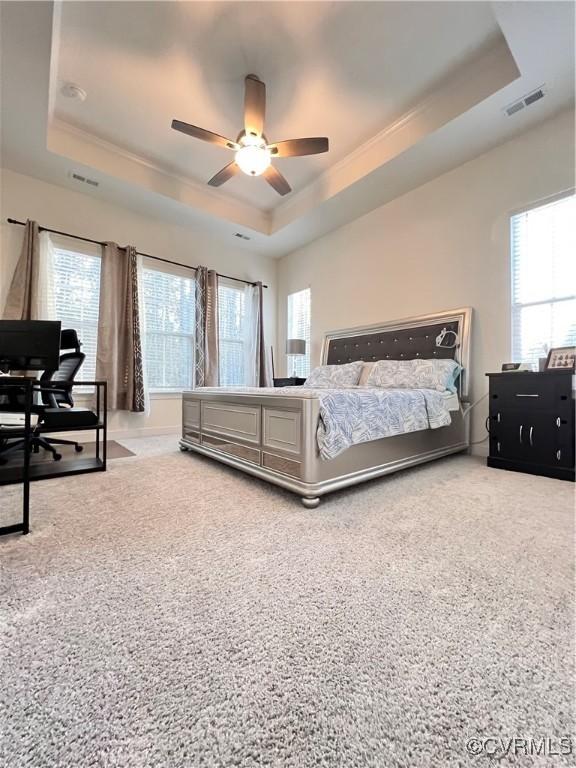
{"points": [[119, 346], [21, 299], [31, 292], [256, 371], [206, 348]]}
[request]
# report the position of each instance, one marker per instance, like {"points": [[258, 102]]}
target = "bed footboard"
{"points": [[274, 438]]}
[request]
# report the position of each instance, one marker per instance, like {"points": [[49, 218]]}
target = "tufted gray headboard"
{"points": [[413, 337]]}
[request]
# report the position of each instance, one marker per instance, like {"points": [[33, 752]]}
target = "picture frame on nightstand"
{"points": [[561, 358]]}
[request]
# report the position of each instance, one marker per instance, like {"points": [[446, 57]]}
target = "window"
{"points": [[543, 279], [231, 314], [299, 328], [168, 318], [76, 289], [168, 312]]}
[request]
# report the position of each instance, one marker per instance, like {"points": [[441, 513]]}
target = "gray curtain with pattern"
{"points": [[206, 351], [264, 377], [119, 346]]}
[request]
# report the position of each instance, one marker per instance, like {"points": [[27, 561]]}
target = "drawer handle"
{"points": [[558, 422], [520, 433], [520, 395], [559, 454], [498, 447], [530, 436]]}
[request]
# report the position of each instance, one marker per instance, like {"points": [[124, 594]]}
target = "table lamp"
{"points": [[295, 347]]}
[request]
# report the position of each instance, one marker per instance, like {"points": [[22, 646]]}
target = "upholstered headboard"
{"points": [[414, 337]]}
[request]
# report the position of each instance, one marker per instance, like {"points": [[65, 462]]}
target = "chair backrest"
{"points": [[69, 365], [69, 340]]}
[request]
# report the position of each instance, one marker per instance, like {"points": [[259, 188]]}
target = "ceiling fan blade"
{"points": [[276, 180], [226, 173], [200, 133], [254, 105], [299, 147]]}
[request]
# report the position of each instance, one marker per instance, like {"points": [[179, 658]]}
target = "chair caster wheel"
{"points": [[57, 456], [78, 448]]}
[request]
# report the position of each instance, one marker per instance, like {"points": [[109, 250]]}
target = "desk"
{"points": [[74, 466], [20, 385]]}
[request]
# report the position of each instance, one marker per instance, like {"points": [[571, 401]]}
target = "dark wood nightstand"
{"points": [[292, 381], [531, 423]]}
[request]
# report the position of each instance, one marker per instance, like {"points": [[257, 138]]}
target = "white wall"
{"points": [[442, 246], [60, 208]]}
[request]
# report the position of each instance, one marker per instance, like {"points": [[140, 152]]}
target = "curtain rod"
{"points": [[146, 255]]}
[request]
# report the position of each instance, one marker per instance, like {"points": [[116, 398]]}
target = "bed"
{"points": [[275, 434]]}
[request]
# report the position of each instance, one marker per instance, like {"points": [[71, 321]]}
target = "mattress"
{"points": [[362, 414], [451, 398]]}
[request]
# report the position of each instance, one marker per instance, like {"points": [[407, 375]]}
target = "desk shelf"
{"points": [[46, 470]]}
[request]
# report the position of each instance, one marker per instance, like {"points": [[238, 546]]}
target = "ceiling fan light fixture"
{"points": [[253, 159], [252, 152]]}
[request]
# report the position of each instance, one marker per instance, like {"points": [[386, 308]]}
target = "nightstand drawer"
{"points": [[532, 393]]}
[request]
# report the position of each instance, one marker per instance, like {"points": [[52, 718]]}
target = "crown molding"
{"points": [[90, 150], [492, 69]]}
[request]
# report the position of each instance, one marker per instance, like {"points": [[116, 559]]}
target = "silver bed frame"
{"points": [[273, 437]]}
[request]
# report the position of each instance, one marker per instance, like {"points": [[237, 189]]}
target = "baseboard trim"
{"points": [[122, 434]]}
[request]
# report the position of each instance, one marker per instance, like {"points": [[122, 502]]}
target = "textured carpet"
{"points": [[173, 613]]}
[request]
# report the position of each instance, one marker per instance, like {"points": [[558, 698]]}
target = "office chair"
{"points": [[60, 381]]}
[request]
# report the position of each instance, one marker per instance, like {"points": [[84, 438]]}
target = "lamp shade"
{"points": [[295, 346]]}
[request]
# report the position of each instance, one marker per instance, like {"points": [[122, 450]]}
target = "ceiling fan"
{"points": [[253, 152]]}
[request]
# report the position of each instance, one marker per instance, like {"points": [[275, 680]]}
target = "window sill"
{"points": [[176, 394]]}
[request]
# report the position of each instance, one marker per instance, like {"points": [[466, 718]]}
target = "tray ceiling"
{"points": [[343, 70]]}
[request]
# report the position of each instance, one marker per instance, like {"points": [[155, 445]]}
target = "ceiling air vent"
{"points": [[511, 110], [83, 179], [525, 101], [536, 96], [241, 236]]}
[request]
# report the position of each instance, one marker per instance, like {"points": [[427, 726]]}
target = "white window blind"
{"points": [[231, 315], [168, 313], [543, 243], [76, 286], [299, 328]]}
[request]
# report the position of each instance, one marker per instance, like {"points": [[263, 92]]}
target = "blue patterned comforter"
{"points": [[352, 416]]}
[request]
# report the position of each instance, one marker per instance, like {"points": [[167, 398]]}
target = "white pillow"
{"points": [[415, 374], [335, 376], [365, 375]]}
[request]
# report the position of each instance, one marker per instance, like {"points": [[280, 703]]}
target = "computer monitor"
{"points": [[29, 345]]}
